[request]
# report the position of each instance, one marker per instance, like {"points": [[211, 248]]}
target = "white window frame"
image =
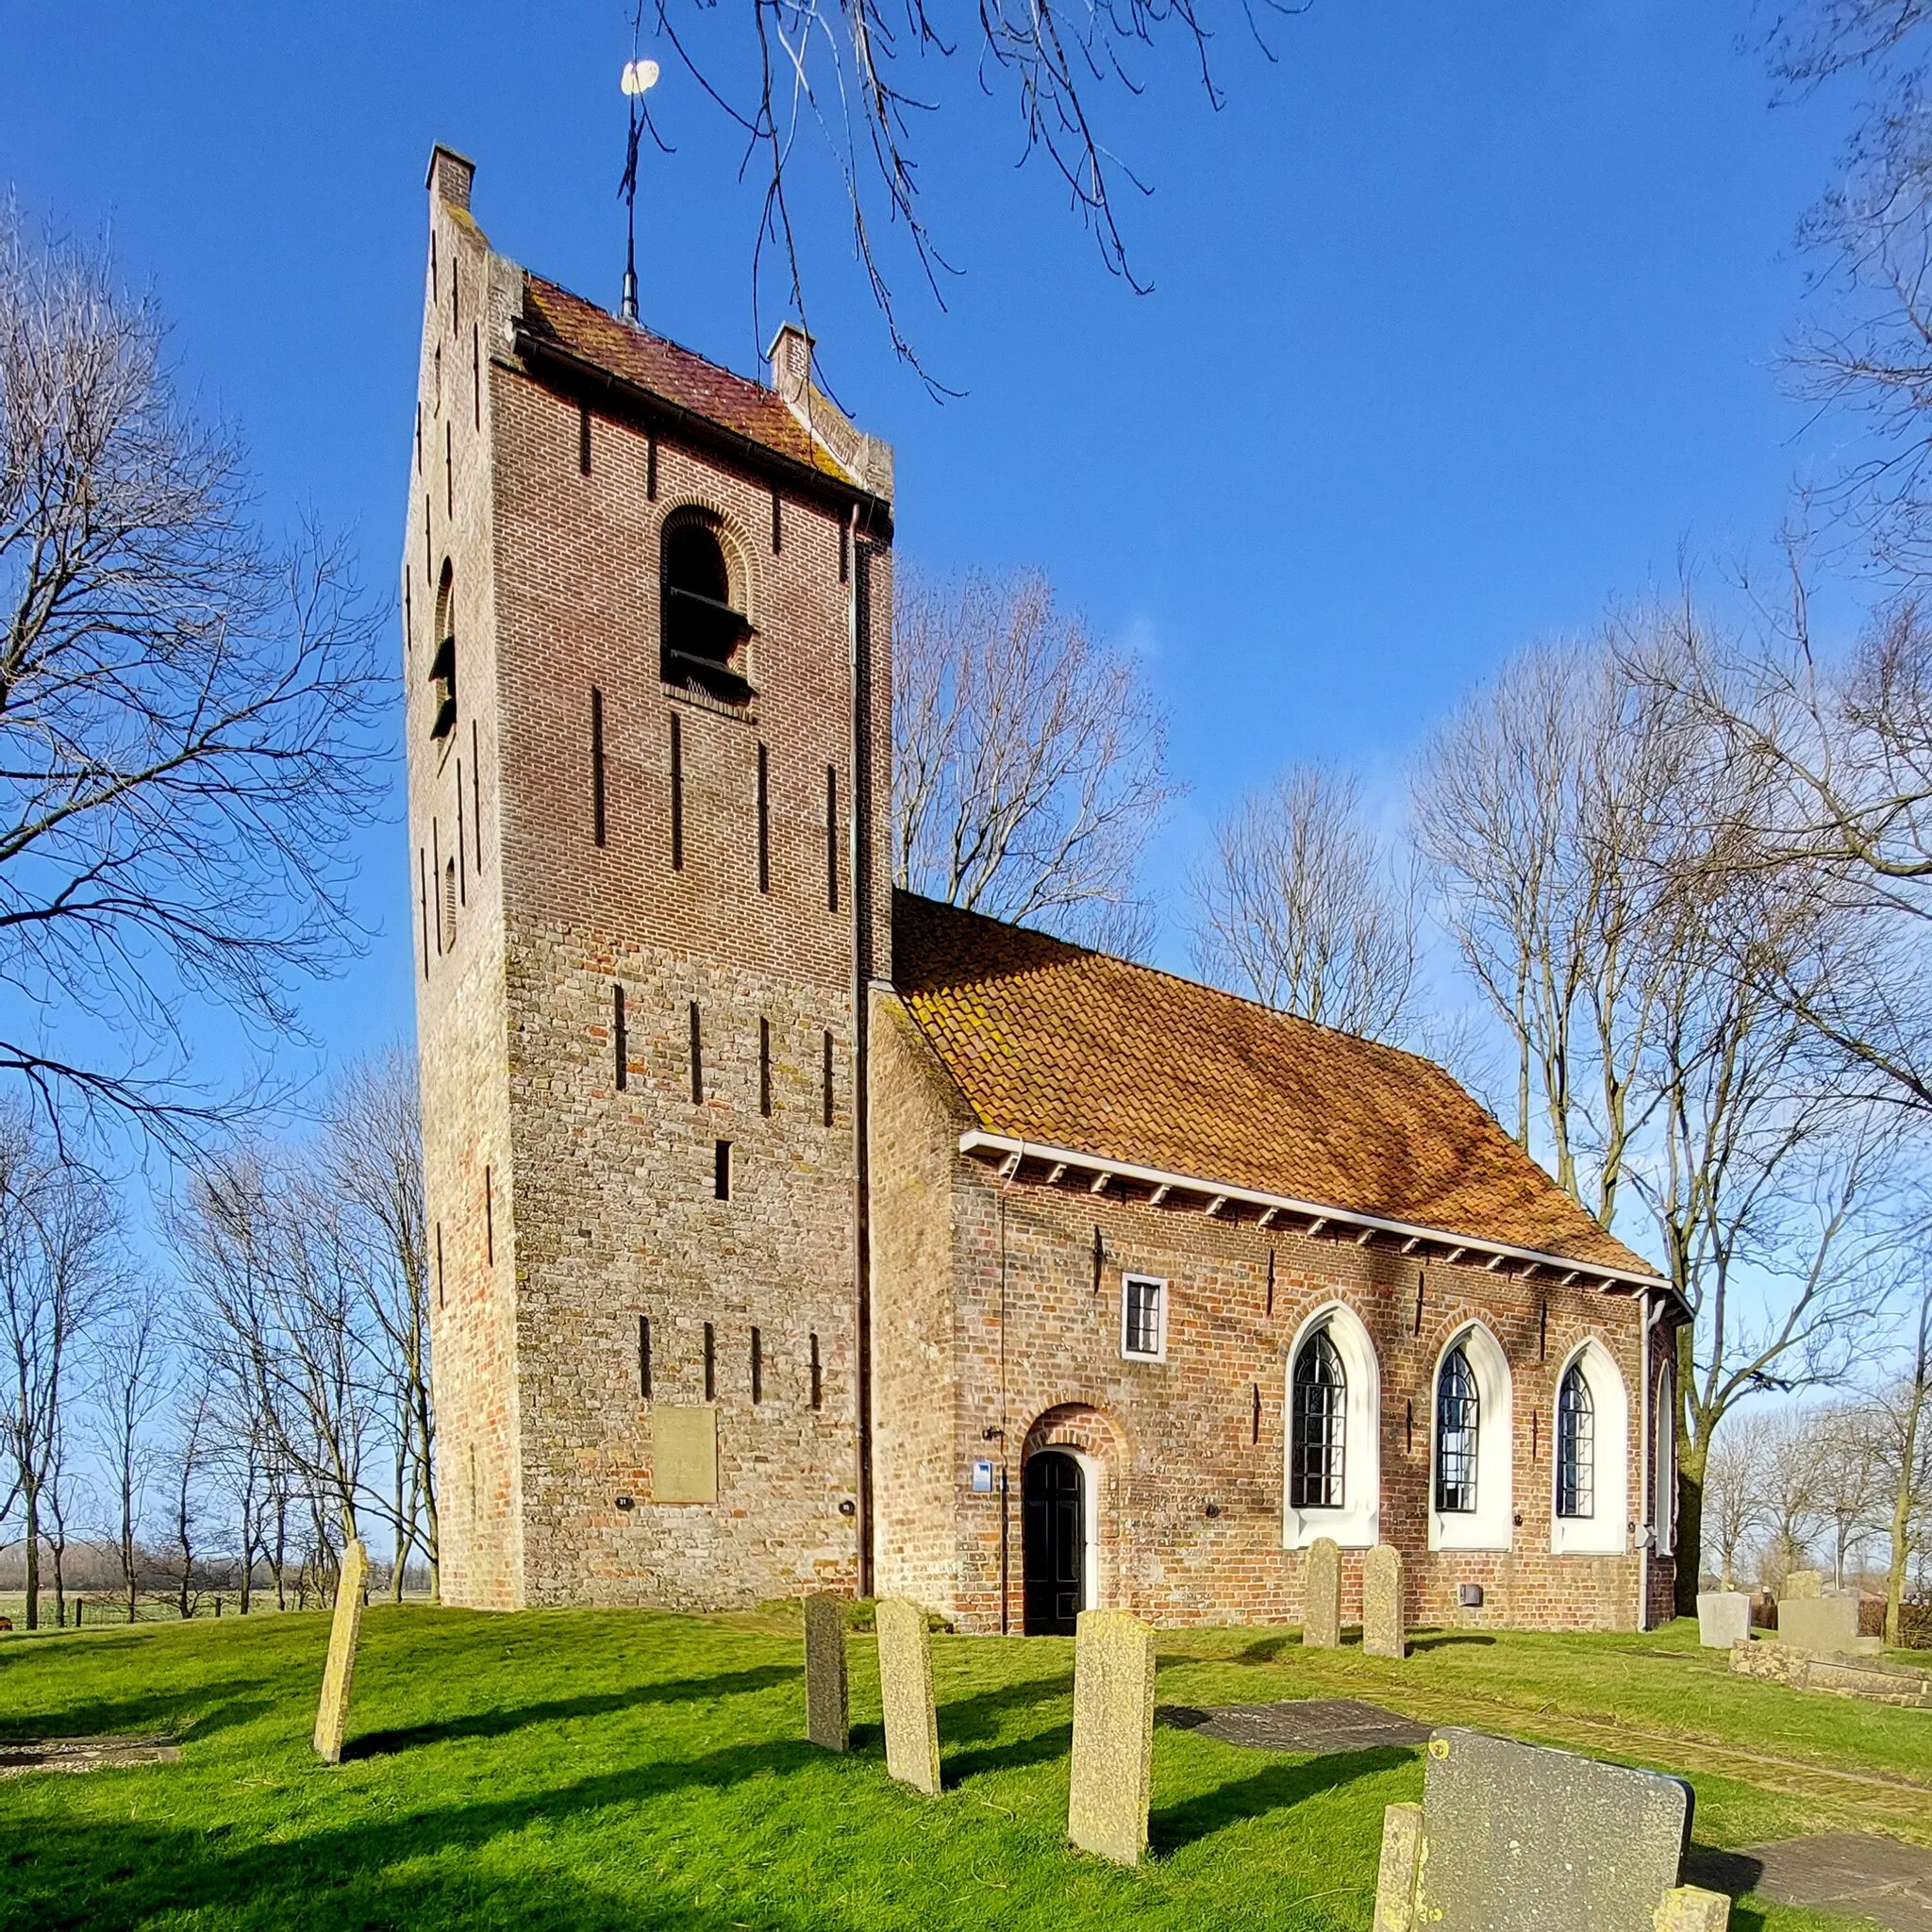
{"points": [[1158, 1284], [1664, 1461], [1491, 1526], [1605, 1532], [1357, 1524]]}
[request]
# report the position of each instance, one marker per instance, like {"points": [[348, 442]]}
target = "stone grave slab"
{"points": [[1724, 1618], [1316, 1727], [912, 1724], [1875, 1679], [828, 1713], [1322, 1596], [1385, 1630], [1524, 1839], [1856, 1874], [1113, 1736], [20, 1755], [332, 1714], [1828, 1624]]}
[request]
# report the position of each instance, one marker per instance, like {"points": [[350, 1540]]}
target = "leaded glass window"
{"points": [[1458, 1417], [1320, 1425], [1575, 1445]]}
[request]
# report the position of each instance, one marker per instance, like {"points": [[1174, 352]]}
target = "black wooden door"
{"points": [[1055, 1542]]}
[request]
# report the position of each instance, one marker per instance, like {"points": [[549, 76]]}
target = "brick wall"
{"points": [[1191, 1485], [603, 1202]]}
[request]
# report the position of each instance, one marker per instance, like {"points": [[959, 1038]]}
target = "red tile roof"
{"points": [[1050, 1044], [635, 356]]}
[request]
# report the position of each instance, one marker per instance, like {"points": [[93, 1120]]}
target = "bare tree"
{"points": [[1299, 905], [131, 1363], [58, 1273], [1903, 1428], [190, 1449], [1030, 760], [806, 84], [189, 730], [372, 1161], [1733, 1497], [1548, 809]]}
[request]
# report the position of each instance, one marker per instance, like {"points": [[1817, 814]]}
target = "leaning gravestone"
{"points": [[912, 1725], [1801, 1584], [1384, 1631], [1516, 1838], [1113, 1736], [332, 1714], [1828, 1624], [1724, 1618], [827, 1716], [1321, 1610]]}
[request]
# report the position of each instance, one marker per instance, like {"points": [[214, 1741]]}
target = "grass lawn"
{"points": [[589, 1769]]}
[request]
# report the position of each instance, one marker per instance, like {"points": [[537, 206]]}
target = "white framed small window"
{"points": [[1333, 1477], [1143, 1319]]}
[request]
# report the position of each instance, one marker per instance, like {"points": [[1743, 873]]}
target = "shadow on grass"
{"points": [[1443, 1640], [498, 1722], [1264, 1650], [183, 1714], [1273, 1788], [120, 1877], [985, 1717]]}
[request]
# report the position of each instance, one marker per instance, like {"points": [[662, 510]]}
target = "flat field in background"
{"points": [[586, 1770]]}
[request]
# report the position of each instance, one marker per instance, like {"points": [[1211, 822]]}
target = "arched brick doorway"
{"points": [[1072, 1458]]}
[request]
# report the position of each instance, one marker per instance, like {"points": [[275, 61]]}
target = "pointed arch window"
{"points": [[705, 629], [1459, 1424], [1319, 1425], [1575, 1445]]}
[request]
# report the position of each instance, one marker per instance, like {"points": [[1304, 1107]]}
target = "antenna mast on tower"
{"points": [[638, 78]]}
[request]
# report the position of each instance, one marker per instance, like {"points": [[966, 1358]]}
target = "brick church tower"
{"points": [[646, 622]]}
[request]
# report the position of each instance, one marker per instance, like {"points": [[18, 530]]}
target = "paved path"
{"points": [[1853, 1872]]}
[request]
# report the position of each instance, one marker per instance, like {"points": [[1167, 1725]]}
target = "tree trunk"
{"points": [[1902, 1510], [1690, 1545], [32, 1499]]}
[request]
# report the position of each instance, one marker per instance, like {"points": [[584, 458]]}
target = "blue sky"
{"points": [[1464, 321]]}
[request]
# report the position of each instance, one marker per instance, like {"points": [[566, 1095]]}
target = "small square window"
{"points": [[1143, 1319]]}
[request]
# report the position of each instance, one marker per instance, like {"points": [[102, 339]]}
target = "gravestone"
{"points": [[827, 1716], [912, 1724], [1322, 1608], [1113, 1736], [1724, 1618], [1517, 1837], [1385, 1633], [332, 1714], [1800, 1585], [1828, 1624]]}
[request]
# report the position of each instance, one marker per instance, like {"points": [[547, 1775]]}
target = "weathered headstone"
{"points": [[1322, 1604], [827, 1716], [1872, 1678], [332, 1714], [1724, 1618], [1385, 1632], [912, 1724], [1113, 1736], [1828, 1624], [1516, 1838], [1800, 1585]]}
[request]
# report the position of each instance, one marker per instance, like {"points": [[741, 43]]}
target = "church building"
{"points": [[787, 1232]]}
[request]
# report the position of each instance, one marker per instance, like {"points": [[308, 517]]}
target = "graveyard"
{"points": [[591, 1770]]}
